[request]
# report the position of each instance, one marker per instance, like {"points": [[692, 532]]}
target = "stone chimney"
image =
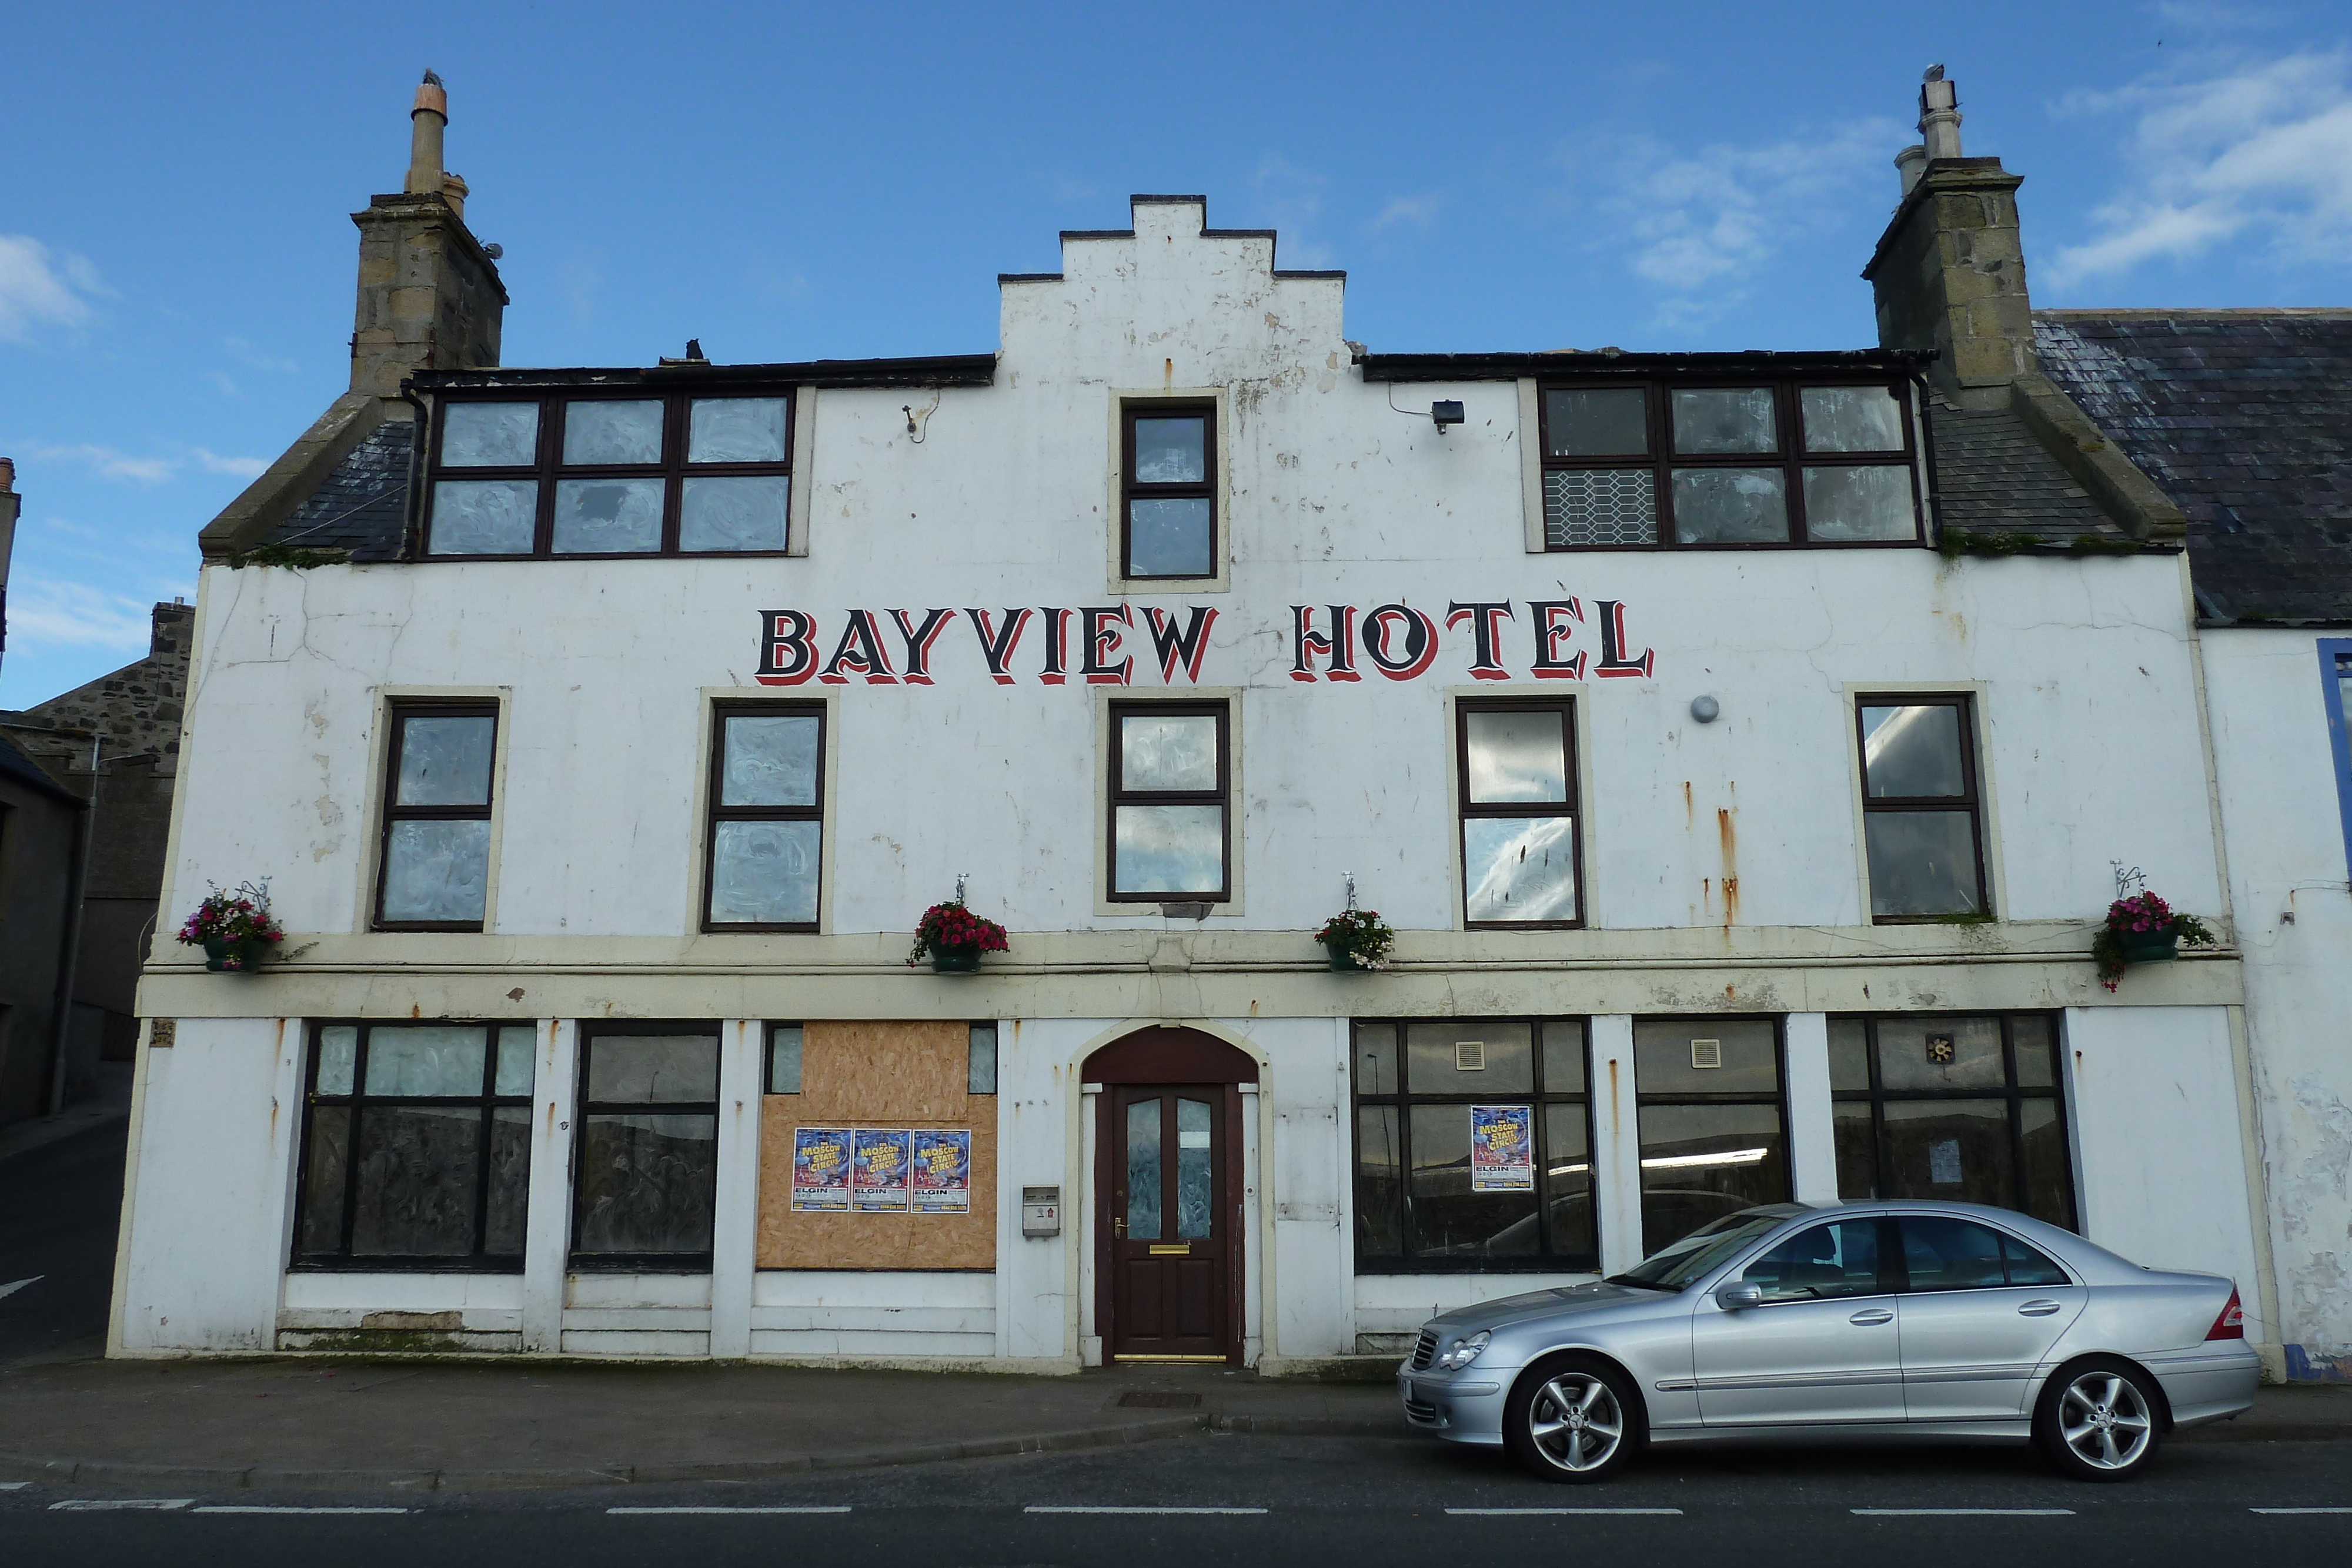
{"points": [[429, 295], [1949, 273]]}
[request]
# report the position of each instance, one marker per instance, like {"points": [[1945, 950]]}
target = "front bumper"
{"points": [[1463, 1407]]}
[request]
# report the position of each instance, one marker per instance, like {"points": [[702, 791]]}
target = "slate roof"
{"points": [[1994, 475], [19, 769], [2245, 418], [362, 506]]}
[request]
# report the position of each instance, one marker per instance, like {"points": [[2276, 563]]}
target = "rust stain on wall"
{"points": [[1730, 838]]}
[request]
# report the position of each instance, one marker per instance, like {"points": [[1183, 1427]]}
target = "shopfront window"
{"points": [[1714, 1124], [647, 1155], [1961, 1108]]}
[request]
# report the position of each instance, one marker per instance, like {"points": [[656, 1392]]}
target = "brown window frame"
{"points": [[549, 467], [1777, 1097], [1973, 802], [400, 711], [1130, 492], [584, 1262], [1464, 809], [713, 813], [1792, 459], [1118, 794]]}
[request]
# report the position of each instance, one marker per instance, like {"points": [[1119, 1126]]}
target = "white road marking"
{"points": [[1524, 1513], [843, 1508], [2248, 1511], [111, 1504], [258, 1508], [1089, 1508], [13, 1485], [11, 1288], [1964, 1512]]}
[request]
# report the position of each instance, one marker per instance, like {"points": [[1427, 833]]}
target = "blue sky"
{"points": [[791, 182]]}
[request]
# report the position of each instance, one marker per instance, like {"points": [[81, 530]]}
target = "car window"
{"points": [[1835, 1260], [1942, 1253], [2027, 1266], [1676, 1265]]}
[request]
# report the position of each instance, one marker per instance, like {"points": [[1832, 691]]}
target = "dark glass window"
{"points": [[1713, 1122], [416, 1146], [784, 1041], [1425, 1089], [1647, 465], [765, 838], [1941, 1252], [1516, 769], [1168, 490], [434, 855], [648, 1146], [1922, 812], [1171, 832], [1951, 1107], [981, 1060], [623, 473], [1840, 1259]]}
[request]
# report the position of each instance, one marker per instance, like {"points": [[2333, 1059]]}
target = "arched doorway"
{"points": [[1168, 1195]]}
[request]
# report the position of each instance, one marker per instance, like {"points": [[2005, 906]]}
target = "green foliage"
{"points": [[291, 557]]}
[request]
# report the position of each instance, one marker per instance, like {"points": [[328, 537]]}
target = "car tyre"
{"points": [[1573, 1418], [2099, 1419]]}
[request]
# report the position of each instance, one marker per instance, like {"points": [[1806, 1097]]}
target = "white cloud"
{"points": [[44, 611], [214, 463], [2259, 153], [108, 463], [1292, 199], [39, 289], [1418, 211]]}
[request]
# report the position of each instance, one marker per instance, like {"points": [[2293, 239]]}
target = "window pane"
{"points": [[1614, 423], [432, 1060], [1922, 862], [504, 1221], [322, 1180], [734, 514], [770, 760], [1952, 1149], [1196, 1181], [1449, 1219], [1567, 1181], [607, 517], [437, 871], [1855, 1135], [517, 1051], [1143, 1118], [1945, 1254], [1169, 536], [1168, 751], [1851, 419], [2037, 1067], [785, 1044], [1940, 1053], [1871, 502], [1514, 756], [1665, 1054], [1848, 1055], [1379, 1183], [1376, 1059], [1739, 420], [1821, 1264], [1172, 451], [418, 1167], [489, 435], [652, 1068], [604, 431], [2049, 1174], [2027, 1266], [1563, 1058], [981, 1063], [1912, 751], [645, 1183], [1585, 506], [737, 430], [1700, 1163], [765, 874], [339, 1050], [1169, 849], [1518, 868], [1484, 1057], [445, 761], [483, 516], [1731, 506]]}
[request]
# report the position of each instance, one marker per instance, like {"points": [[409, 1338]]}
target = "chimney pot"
{"points": [[453, 191], [7, 474], [1939, 115], [1910, 163], [426, 123]]}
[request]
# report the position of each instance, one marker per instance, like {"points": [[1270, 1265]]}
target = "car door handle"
{"points": [[2038, 1309], [1870, 1315]]}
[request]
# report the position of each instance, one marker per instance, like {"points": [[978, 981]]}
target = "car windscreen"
{"points": [[1676, 1266]]}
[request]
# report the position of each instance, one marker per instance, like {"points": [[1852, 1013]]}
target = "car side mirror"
{"points": [[1731, 1298]]}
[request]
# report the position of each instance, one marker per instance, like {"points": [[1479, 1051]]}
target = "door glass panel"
{"points": [[1913, 751], [1376, 1059], [1940, 1053], [1947, 1254], [1515, 757], [1380, 1197], [1856, 1137], [1143, 1171], [1195, 1178], [1470, 1056], [429, 1061], [1518, 868], [1449, 1219], [1827, 1261], [1612, 422], [1954, 1149]]}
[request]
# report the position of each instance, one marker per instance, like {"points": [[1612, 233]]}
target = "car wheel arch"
{"points": [[1552, 1356], [2076, 1360]]}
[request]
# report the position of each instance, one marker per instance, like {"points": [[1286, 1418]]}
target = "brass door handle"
{"points": [[1118, 1227]]}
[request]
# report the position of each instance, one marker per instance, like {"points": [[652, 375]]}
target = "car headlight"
{"points": [[1461, 1352]]}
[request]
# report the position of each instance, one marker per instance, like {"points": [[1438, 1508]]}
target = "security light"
{"points": [[1445, 414]]}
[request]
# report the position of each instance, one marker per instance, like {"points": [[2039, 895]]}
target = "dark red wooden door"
{"points": [[1171, 1246]]}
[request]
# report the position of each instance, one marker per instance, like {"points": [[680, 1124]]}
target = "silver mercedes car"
{"points": [[1859, 1321]]}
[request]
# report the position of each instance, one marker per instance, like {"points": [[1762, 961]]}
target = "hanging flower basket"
{"points": [[955, 937], [234, 928], [1355, 940], [2143, 929]]}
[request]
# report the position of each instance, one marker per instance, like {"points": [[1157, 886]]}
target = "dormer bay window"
{"points": [[1657, 465], [609, 473]]}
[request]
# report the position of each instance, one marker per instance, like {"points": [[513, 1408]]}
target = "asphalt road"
{"points": [[59, 1205], [1296, 1501]]}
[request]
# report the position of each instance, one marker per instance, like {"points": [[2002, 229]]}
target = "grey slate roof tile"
{"points": [[362, 506], [1994, 475]]}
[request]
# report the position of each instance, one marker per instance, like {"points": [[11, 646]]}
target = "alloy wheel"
{"points": [[2104, 1421], [1576, 1422]]}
